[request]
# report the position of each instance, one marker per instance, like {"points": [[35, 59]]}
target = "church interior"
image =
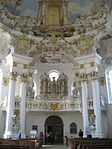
{"points": [[55, 68]]}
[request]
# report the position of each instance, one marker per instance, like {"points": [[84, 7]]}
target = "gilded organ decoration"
{"points": [[54, 88]]}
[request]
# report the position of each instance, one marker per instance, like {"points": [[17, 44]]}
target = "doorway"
{"points": [[54, 130]]}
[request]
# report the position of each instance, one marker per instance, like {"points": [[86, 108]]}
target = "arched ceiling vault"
{"points": [[89, 31]]}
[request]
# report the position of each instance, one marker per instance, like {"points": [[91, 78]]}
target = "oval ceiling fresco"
{"points": [[76, 7]]}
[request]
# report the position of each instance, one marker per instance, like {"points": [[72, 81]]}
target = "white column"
{"points": [[85, 107], [22, 105], [10, 106], [1, 85], [97, 107]]}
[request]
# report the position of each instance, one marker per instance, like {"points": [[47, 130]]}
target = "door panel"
{"points": [[54, 127]]}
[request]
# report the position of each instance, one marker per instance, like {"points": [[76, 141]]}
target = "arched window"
{"points": [[73, 128], [53, 74], [108, 73]]}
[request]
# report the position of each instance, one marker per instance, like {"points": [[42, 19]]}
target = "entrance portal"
{"points": [[54, 130]]}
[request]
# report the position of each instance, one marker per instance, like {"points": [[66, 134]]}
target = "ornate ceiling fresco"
{"points": [[76, 7], [31, 37]]}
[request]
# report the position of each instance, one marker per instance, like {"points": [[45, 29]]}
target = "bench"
{"points": [[77, 143]]}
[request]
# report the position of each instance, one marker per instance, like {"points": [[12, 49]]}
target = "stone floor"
{"points": [[54, 147]]}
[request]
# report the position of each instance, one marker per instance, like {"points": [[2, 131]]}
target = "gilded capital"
{"points": [[13, 75], [94, 75], [23, 78], [83, 77]]}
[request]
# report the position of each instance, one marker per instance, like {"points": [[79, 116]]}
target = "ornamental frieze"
{"points": [[53, 105]]}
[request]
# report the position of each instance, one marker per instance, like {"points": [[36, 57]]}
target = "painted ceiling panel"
{"points": [[76, 8]]}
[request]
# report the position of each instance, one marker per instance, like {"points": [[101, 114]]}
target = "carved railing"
{"points": [[51, 105]]}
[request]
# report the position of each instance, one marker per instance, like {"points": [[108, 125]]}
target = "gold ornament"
{"points": [[54, 106]]}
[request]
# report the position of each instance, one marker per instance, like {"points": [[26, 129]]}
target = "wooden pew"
{"points": [[97, 146], [3, 146], [76, 143], [30, 143]]}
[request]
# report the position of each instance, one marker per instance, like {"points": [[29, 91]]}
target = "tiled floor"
{"points": [[54, 147]]}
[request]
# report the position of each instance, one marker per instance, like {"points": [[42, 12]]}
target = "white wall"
{"points": [[38, 118]]}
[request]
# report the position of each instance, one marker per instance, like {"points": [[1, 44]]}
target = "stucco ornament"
{"points": [[5, 44]]}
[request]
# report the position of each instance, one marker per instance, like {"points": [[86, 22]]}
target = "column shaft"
{"points": [[85, 107], [10, 109], [97, 107], [22, 108]]}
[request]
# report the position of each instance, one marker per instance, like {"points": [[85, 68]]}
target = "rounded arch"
{"points": [[53, 74], [54, 119], [54, 129]]}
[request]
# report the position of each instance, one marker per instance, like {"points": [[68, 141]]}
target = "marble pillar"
{"points": [[97, 107], [10, 107], [23, 79], [85, 107]]}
